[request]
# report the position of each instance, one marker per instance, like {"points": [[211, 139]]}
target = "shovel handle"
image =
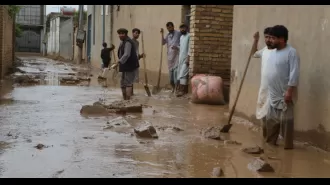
{"points": [[232, 110]]}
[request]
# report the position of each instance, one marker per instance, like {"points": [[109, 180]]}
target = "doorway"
{"points": [[186, 10]]}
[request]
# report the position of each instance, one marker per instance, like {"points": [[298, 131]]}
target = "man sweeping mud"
{"points": [[262, 102], [128, 63], [282, 75], [136, 34], [172, 40], [106, 55]]}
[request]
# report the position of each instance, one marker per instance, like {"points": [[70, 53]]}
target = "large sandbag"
{"points": [[207, 90]]}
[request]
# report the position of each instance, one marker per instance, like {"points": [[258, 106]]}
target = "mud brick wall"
{"points": [[6, 40], [211, 37]]}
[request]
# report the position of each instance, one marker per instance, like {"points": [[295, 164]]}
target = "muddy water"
{"points": [[78, 146]]}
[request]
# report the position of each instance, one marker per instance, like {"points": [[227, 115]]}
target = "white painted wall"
{"points": [[54, 37]]}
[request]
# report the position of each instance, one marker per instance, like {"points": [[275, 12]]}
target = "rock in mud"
{"points": [[69, 80], [120, 121], [98, 103], [177, 129], [230, 142], [93, 110], [217, 172], [40, 146], [169, 127], [253, 150], [146, 131], [259, 165], [212, 133], [126, 106], [84, 79], [25, 79]]}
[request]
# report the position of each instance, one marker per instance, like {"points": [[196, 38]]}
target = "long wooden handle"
{"points": [[161, 63], [240, 87], [115, 60], [144, 61]]}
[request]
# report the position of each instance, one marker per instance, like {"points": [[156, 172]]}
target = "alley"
{"points": [[47, 113]]}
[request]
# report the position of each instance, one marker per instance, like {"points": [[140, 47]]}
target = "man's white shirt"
{"points": [[262, 102]]}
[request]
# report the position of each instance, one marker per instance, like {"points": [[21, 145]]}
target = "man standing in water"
{"points": [[136, 34], [128, 63], [183, 66], [172, 40], [106, 55], [262, 102], [282, 76]]}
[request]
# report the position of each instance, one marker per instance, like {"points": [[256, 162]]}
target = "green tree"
{"points": [[13, 10]]}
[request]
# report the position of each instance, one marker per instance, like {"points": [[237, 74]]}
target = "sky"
{"points": [[56, 8]]}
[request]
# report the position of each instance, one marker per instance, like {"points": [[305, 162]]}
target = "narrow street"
{"points": [[48, 113]]}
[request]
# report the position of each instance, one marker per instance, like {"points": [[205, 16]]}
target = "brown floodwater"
{"points": [[78, 146]]}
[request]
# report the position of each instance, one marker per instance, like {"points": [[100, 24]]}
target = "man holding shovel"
{"points": [[128, 63], [136, 34], [262, 102], [172, 40], [183, 66], [282, 76]]}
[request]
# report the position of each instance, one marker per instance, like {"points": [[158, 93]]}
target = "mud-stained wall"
{"points": [[66, 37], [96, 37], [309, 33], [148, 18], [6, 40]]}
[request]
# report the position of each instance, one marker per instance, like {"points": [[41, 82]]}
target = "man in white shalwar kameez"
{"points": [[262, 102], [183, 66], [282, 76], [172, 40]]}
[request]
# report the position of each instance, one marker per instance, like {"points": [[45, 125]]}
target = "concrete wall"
{"points": [[6, 40], [211, 31], [54, 39], [55, 34], [96, 44], [148, 18], [66, 39], [309, 34]]}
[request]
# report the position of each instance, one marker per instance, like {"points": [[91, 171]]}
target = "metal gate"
{"points": [[29, 41]]}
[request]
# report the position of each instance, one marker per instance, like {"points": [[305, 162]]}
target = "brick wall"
{"points": [[6, 40], [211, 37]]}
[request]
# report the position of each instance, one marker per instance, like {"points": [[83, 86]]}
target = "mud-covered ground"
{"points": [[43, 134]]}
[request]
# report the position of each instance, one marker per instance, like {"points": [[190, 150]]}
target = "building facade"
{"points": [[32, 19], [60, 38]]}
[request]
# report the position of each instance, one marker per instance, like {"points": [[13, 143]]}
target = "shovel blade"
{"points": [[147, 90], [226, 128]]}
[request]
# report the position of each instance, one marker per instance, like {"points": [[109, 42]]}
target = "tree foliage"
{"points": [[76, 17], [18, 30], [13, 10]]}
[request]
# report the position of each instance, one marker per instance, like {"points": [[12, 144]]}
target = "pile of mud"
{"points": [[121, 106]]}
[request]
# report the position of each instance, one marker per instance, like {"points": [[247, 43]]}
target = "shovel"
{"points": [[156, 88], [226, 128], [115, 72], [146, 87]]}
